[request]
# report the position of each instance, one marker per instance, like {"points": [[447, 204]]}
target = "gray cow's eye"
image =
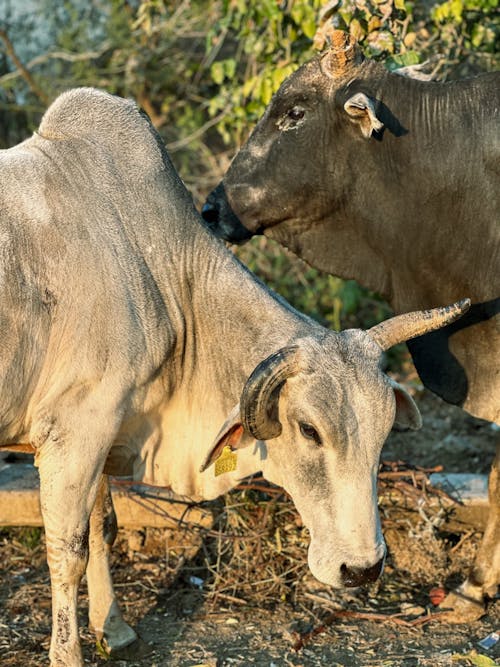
{"points": [[309, 432]]}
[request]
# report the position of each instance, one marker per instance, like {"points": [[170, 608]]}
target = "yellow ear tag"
{"points": [[226, 461]]}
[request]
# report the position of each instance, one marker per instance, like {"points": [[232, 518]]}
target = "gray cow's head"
{"points": [[288, 169], [326, 409]]}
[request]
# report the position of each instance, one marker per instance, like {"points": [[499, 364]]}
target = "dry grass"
{"points": [[253, 557]]}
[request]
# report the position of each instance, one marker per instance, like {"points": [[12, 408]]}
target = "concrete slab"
{"points": [[467, 488], [136, 505]]}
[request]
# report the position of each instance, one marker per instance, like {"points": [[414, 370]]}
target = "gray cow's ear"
{"points": [[361, 110], [407, 413], [232, 435]]}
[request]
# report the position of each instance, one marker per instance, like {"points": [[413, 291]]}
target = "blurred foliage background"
{"points": [[204, 70]]}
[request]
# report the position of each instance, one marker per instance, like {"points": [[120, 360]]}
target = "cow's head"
{"points": [[325, 408], [289, 168]]}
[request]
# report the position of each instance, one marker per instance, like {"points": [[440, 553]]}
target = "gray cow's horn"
{"points": [[410, 325], [259, 398]]}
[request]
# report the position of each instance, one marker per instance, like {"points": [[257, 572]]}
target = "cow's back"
{"points": [[83, 291]]}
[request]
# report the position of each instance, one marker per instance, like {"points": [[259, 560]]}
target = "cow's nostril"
{"points": [[210, 213], [357, 576]]}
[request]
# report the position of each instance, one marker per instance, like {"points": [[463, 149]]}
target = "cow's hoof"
{"points": [[461, 608], [134, 651]]}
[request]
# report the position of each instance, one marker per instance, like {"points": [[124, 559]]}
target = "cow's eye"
{"points": [[291, 119], [296, 113], [309, 432]]}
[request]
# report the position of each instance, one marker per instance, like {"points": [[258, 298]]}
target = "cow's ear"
{"points": [[407, 413], [361, 110], [232, 435]]}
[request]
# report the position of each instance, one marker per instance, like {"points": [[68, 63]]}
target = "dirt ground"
{"points": [[245, 596]]}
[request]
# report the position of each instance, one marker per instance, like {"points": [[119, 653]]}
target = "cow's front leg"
{"points": [[68, 487], [72, 440], [468, 602], [105, 617]]}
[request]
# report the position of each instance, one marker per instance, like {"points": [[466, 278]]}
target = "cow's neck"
{"points": [[337, 249], [230, 322], [236, 320]]}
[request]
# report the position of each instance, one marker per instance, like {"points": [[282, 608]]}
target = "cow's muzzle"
{"points": [[358, 576], [221, 219]]}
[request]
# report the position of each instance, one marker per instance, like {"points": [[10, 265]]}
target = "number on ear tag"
{"points": [[226, 461]]}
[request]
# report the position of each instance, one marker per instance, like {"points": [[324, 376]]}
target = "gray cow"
{"points": [[134, 343], [394, 182]]}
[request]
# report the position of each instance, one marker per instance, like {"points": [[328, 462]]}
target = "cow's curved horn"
{"points": [[404, 327], [343, 53], [259, 399]]}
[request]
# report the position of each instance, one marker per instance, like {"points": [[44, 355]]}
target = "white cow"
{"points": [[130, 335]]}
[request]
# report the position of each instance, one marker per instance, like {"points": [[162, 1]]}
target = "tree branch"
{"points": [[10, 51], [54, 55], [180, 143]]}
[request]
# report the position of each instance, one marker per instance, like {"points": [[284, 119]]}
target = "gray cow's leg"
{"points": [[468, 602], [67, 493], [104, 614], [72, 442]]}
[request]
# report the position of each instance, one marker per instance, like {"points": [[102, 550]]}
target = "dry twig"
{"points": [[305, 638]]}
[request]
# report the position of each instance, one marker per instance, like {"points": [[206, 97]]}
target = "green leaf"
{"points": [[101, 650], [456, 8], [309, 27], [345, 15], [477, 34], [402, 60], [475, 658], [276, 77], [451, 9], [356, 30], [297, 13], [217, 72], [230, 67], [481, 660], [248, 86], [266, 91], [214, 106], [381, 40]]}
